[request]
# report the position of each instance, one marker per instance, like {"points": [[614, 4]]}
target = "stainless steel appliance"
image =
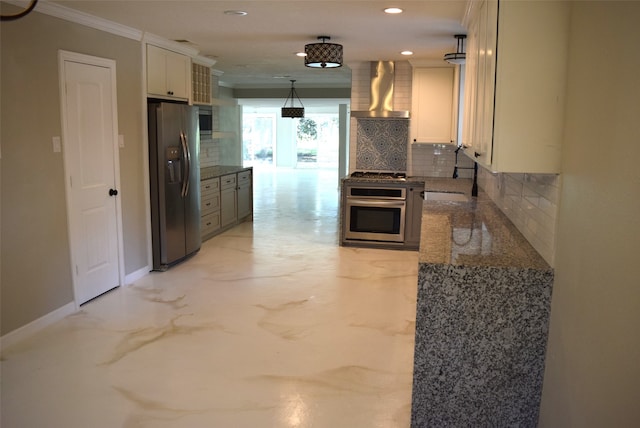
{"points": [[205, 119], [175, 182], [375, 212]]}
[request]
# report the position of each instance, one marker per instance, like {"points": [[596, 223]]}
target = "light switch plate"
{"points": [[57, 144], [121, 141]]}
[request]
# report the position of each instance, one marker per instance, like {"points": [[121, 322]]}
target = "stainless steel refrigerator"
{"points": [[174, 172]]}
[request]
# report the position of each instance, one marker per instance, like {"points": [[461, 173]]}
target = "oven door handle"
{"points": [[376, 202]]}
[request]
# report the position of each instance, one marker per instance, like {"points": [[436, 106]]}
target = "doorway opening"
{"points": [[268, 140]]}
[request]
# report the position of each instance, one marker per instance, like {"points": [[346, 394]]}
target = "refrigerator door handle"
{"points": [[187, 163], [186, 147]]}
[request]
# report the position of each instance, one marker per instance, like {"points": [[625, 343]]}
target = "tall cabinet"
{"points": [[515, 82]]}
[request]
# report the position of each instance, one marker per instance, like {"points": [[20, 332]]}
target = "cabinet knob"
{"points": [[113, 192], [476, 154]]}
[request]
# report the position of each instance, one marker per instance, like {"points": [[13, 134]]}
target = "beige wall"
{"points": [[592, 374], [36, 274]]}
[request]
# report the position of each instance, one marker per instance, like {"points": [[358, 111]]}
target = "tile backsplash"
{"points": [[382, 144], [530, 201], [438, 160]]}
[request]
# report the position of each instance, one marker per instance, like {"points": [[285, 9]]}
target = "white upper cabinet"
{"points": [[168, 73], [433, 114], [515, 84]]}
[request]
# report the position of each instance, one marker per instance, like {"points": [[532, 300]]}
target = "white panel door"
{"points": [[90, 131]]}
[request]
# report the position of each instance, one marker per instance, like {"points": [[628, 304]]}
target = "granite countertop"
{"points": [[482, 315], [473, 233], [219, 170]]}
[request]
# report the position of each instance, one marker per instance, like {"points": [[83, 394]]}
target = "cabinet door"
{"points": [[432, 105], [156, 71], [470, 87], [413, 216], [488, 30], [245, 195], [228, 209], [480, 83], [178, 75]]}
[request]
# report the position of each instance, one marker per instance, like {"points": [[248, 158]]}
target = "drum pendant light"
{"points": [[292, 111], [323, 55], [457, 57]]}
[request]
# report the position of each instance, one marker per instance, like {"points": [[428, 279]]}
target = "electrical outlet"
{"points": [[57, 144]]}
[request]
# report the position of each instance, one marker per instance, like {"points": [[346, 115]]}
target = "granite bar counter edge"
{"points": [[482, 315]]}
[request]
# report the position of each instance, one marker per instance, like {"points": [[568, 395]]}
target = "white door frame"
{"points": [[64, 56]]}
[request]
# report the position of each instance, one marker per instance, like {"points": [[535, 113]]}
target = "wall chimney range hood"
{"points": [[381, 105]]}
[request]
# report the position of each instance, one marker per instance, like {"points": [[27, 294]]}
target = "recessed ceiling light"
{"points": [[303, 54], [393, 10], [406, 53], [235, 12]]}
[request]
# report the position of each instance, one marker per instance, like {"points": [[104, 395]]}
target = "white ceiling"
{"points": [[258, 50]]}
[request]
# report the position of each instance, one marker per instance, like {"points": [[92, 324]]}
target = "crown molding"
{"points": [[204, 60], [91, 21], [71, 15], [161, 42]]}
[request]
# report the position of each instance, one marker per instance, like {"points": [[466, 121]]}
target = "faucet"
{"points": [[474, 187]]}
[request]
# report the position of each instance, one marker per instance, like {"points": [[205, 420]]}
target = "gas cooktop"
{"points": [[379, 175]]}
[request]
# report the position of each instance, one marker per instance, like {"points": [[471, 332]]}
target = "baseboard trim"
{"points": [[134, 276], [33, 327], [27, 330]]}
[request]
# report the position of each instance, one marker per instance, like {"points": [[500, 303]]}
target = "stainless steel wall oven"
{"points": [[375, 212]]}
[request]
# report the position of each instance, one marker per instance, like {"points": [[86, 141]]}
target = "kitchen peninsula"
{"points": [[482, 316]]}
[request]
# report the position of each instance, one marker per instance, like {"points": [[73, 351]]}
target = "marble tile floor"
{"points": [[271, 324]]}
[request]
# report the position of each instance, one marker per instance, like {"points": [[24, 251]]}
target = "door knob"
{"points": [[113, 192]]}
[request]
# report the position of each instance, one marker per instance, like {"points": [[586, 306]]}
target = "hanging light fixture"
{"points": [[457, 57], [292, 111], [323, 55]]}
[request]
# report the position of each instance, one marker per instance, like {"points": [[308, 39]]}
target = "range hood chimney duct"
{"points": [[381, 95]]}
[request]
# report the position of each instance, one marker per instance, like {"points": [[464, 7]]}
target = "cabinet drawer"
{"points": [[228, 181], [210, 204], [243, 177], [209, 187], [210, 223]]}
